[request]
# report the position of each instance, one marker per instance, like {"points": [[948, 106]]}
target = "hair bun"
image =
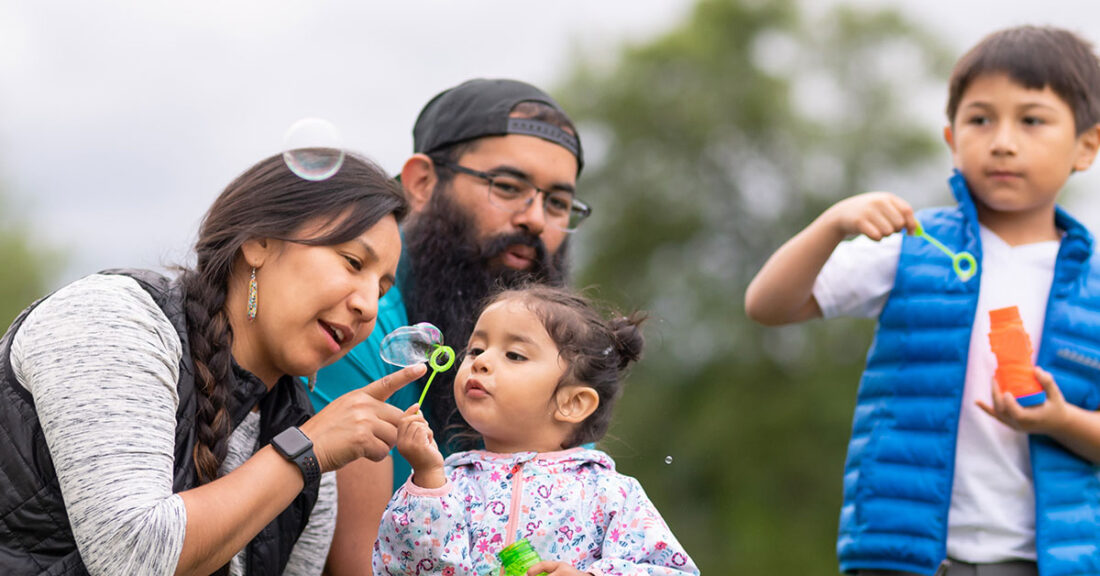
{"points": [[627, 338]]}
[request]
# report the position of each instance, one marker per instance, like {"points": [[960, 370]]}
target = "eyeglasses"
{"points": [[515, 194]]}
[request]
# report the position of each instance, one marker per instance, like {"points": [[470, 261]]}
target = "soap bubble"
{"points": [[312, 149], [411, 345], [668, 459]]}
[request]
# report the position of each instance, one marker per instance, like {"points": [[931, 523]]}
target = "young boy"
{"points": [[945, 473]]}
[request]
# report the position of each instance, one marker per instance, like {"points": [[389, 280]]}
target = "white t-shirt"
{"points": [[992, 517]]}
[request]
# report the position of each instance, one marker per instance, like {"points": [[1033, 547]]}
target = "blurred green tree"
{"points": [[709, 147], [25, 270]]}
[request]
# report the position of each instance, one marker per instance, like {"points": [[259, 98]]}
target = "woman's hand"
{"points": [[416, 442], [360, 423]]}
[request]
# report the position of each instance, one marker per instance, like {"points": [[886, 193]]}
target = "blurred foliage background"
{"points": [[26, 269], [715, 143], [708, 147]]}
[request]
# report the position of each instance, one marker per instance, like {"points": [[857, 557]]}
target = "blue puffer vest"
{"points": [[901, 457]]}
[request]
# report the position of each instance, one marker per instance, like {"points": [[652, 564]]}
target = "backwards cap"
{"points": [[481, 107]]}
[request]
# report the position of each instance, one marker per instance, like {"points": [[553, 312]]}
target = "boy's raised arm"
{"points": [[782, 292]]}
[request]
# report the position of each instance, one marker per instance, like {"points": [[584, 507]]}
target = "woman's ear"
{"points": [[418, 178], [575, 403], [256, 251]]}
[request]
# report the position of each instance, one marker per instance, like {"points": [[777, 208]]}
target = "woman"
{"points": [[156, 426]]}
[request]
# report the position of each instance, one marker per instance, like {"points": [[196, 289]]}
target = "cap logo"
{"points": [[545, 131]]}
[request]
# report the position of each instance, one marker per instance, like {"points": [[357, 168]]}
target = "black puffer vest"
{"points": [[35, 536]]}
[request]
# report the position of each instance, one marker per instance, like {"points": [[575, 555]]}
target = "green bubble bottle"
{"points": [[518, 557]]}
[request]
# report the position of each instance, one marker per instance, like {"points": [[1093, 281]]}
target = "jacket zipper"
{"points": [[516, 474]]}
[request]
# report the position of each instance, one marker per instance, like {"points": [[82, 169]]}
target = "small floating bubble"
{"points": [[668, 459], [312, 149]]}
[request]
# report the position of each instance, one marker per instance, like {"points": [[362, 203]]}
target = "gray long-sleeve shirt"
{"points": [[101, 361]]}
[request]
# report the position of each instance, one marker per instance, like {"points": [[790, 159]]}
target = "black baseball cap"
{"points": [[481, 107]]}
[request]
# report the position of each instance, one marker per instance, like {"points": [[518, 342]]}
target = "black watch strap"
{"points": [[295, 446], [311, 469]]}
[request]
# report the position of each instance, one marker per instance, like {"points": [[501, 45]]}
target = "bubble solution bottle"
{"points": [[1012, 347], [518, 557]]}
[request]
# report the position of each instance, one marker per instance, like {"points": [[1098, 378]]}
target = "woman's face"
{"points": [[314, 303]]}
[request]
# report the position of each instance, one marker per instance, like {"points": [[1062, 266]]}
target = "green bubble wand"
{"points": [[412, 345], [433, 362], [963, 263]]}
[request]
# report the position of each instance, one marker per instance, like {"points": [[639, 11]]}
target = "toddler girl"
{"points": [[538, 380]]}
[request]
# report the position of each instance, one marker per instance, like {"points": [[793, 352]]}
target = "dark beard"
{"points": [[447, 280]]}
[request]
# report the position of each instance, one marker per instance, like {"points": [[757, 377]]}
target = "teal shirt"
{"points": [[363, 365]]}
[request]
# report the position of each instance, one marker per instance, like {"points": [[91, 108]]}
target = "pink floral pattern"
{"points": [[571, 505]]}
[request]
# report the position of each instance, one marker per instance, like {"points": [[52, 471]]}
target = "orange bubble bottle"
{"points": [[1012, 347]]}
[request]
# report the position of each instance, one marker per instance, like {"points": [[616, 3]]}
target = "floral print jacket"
{"points": [[571, 505]]}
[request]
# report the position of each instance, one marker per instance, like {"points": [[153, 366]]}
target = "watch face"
{"points": [[292, 441]]}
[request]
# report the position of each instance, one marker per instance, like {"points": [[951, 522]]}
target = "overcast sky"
{"points": [[120, 121]]}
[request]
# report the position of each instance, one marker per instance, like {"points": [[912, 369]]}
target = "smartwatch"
{"points": [[295, 446]]}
